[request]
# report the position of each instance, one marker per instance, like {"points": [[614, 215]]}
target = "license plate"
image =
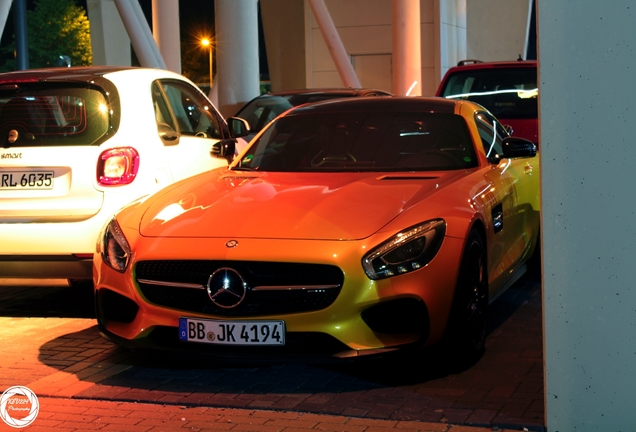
{"points": [[26, 180], [232, 332]]}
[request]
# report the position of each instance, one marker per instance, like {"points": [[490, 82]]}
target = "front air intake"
{"points": [[112, 306], [401, 316]]}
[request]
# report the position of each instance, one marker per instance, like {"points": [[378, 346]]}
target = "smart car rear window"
{"points": [[508, 93], [363, 141], [52, 115]]}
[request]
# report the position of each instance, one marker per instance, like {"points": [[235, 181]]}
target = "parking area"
{"points": [[51, 345]]}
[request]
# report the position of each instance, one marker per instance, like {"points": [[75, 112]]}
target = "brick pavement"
{"points": [[70, 367], [79, 415]]}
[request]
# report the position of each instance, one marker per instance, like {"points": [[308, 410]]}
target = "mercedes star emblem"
{"points": [[226, 288]]}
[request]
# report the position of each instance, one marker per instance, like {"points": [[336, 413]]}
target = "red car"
{"points": [[507, 89]]}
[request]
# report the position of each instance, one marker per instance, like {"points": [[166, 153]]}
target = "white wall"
{"points": [[587, 64], [451, 30], [364, 27], [453, 34], [237, 73], [497, 29], [431, 25]]}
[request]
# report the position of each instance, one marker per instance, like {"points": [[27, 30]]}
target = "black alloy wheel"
{"points": [[467, 323]]}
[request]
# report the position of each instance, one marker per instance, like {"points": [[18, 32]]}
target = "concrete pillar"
{"points": [[284, 28], [407, 51], [238, 74], [165, 29], [109, 40], [140, 35], [586, 64], [334, 44]]}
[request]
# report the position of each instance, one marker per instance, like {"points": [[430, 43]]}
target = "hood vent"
{"points": [[236, 177]]}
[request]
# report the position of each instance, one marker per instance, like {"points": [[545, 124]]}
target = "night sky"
{"points": [[194, 14], [196, 21]]}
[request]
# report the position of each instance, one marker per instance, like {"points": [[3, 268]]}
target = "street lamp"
{"points": [[208, 43]]}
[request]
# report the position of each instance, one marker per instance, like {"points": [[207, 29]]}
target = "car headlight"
{"points": [[406, 251], [115, 248]]}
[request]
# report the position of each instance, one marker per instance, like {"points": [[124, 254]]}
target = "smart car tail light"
{"points": [[114, 247], [117, 166], [406, 251]]}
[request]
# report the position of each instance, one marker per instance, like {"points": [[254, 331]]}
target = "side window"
{"points": [[492, 134], [162, 112], [194, 115]]}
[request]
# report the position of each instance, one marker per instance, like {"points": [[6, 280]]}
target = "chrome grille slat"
{"points": [[171, 284], [296, 287]]}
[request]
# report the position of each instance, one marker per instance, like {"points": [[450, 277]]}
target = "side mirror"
{"points": [[224, 149], [514, 147], [238, 127], [167, 134]]}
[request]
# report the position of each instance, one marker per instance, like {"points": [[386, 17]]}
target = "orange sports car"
{"points": [[345, 228]]}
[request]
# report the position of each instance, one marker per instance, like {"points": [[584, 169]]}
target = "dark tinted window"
{"points": [[263, 109], [363, 141], [42, 115], [507, 93]]}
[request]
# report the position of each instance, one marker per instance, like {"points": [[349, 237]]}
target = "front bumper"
{"points": [[367, 317]]}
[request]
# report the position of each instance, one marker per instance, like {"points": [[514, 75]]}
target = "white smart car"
{"points": [[77, 144]]}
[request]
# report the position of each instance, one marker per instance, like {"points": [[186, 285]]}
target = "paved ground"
{"points": [[51, 345]]}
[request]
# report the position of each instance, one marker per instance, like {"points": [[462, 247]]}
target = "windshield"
{"points": [[508, 93], [362, 141]]}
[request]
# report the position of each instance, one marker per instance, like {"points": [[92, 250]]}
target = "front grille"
{"points": [[277, 277]]}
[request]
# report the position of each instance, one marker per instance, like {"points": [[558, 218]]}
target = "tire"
{"points": [[466, 332], [534, 262]]}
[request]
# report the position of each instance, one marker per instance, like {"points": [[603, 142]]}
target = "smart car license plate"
{"points": [[232, 332], [26, 180]]}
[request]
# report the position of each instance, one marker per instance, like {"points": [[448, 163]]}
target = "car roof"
{"points": [[478, 64], [395, 103], [62, 72], [329, 91], [301, 96], [80, 73]]}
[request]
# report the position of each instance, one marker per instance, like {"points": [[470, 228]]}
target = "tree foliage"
{"points": [[56, 28], [195, 63]]}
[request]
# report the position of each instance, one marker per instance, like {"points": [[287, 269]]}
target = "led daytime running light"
{"points": [[431, 234], [115, 248]]}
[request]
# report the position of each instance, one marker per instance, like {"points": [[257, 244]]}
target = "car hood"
{"points": [[334, 206]]}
